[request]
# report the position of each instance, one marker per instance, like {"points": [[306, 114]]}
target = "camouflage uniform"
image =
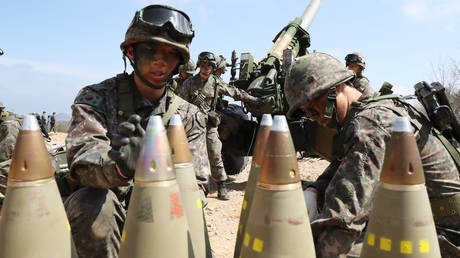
{"points": [[347, 185], [192, 89], [9, 130], [361, 83], [97, 212]]}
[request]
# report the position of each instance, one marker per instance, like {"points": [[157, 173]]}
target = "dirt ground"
{"points": [[223, 216]]}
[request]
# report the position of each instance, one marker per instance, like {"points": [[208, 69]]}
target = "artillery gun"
{"points": [[265, 79]]}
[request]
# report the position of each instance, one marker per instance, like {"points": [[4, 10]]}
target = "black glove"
{"points": [[126, 145]]}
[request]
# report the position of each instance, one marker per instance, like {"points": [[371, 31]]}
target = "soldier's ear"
{"points": [[130, 52]]}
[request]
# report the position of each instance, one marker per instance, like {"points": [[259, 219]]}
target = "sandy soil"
{"points": [[223, 216]]}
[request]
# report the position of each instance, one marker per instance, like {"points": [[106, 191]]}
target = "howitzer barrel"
{"points": [[304, 22]]}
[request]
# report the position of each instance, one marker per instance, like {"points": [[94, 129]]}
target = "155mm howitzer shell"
{"points": [[278, 224], [156, 225], [401, 222], [261, 141], [33, 222], [186, 179]]}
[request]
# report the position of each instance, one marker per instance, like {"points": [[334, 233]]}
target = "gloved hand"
{"points": [[254, 102], [126, 145], [311, 196]]}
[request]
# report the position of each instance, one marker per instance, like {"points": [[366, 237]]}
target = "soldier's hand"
{"points": [[126, 145]]}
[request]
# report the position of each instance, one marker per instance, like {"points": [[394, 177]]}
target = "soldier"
{"points": [[53, 122], [221, 66], [204, 90], [321, 87], [185, 71], [357, 63], [104, 136], [9, 130], [42, 126]]}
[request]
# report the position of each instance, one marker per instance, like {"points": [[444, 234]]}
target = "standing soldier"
{"points": [[357, 63], [53, 122], [320, 86], [112, 113], [205, 90], [43, 119], [221, 66], [185, 72]]}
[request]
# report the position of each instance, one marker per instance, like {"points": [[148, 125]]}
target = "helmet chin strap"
{"points": [[331, 108]]}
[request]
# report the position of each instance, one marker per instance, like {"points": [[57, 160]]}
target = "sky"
{"points": [[54, 48]]}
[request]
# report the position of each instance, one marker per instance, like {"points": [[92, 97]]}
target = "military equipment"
{"points": [[434, 100], [206, 56], [278, 224], [33, 222], [156, 225], [188, 186], [261, 140], [266, 78], [401, 221], [1, 52]]}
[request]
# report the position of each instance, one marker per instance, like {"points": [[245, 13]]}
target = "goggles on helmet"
{"points": [[160, 19], [206, 56], [352, 58]]}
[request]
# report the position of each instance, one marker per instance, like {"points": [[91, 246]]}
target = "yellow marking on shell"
{"points": [[424, 246], [245, 203], [292, 173], [406, 247], [247, 239], [371, 239], [240, 229], [258, 245], [199, 204], [123, 236], [68, 226], [385, 244]]}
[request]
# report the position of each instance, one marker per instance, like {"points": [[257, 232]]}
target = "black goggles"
{"points": [[206, 56], [160, 18], [352, 58]]}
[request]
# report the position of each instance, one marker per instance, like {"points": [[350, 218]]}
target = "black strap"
{"points": [[125, 97]]}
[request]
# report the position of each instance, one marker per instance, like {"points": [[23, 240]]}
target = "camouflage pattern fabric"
{"points": [[96, 225], [193, 86], [352, 178], [9, 130], [200, 92], [176, 85], [361, 83]]}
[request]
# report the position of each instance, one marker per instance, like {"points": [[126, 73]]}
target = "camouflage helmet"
{"points": [[206, 56], [221, 63], [355, 58], [189, 67], [311, 76], [161, 24]]}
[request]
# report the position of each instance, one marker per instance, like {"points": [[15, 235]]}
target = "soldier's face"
{"points": [[355, 68], [185, 76], [206, 68], [155, 62], [315, 110]]}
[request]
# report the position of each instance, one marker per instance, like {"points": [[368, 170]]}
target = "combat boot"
{"points": [[222, 192]]}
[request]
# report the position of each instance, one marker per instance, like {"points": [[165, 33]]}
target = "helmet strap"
{"points": [[331, 107]]}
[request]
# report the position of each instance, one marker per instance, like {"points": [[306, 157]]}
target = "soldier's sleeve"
{"points": [[87, 144], [195, 129], [348, 197], [234, 92], [9, 131]]}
